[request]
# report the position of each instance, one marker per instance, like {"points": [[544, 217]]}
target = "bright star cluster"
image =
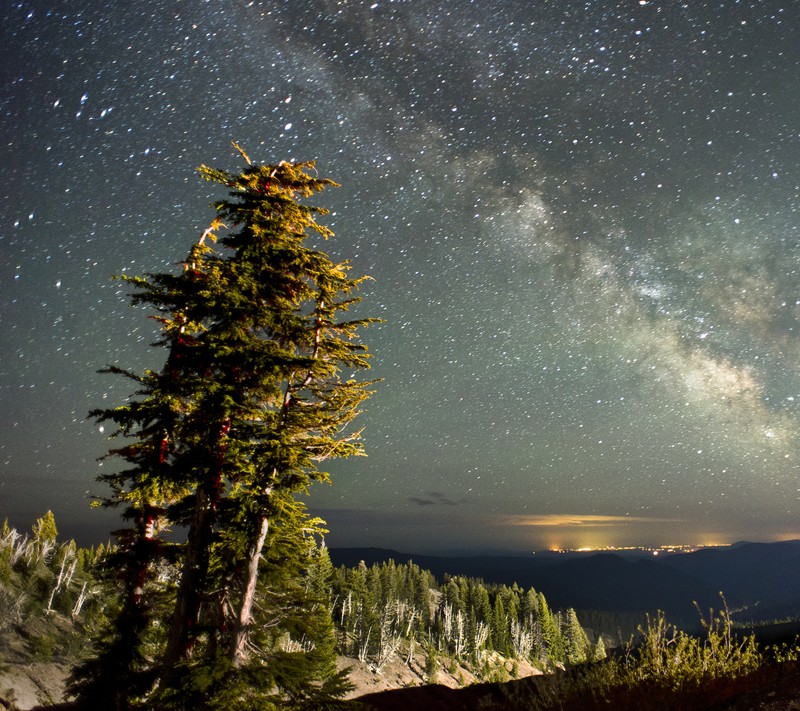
{"points": [[581, 218]]}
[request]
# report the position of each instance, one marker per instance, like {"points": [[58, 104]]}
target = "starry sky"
{"points": [[581, 219]]}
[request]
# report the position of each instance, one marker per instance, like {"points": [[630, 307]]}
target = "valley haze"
{"points": [[493, 535]]}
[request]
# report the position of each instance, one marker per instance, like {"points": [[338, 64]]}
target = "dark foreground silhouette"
{"points": [[770, 688]]}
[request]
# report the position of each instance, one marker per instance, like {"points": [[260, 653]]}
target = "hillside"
{"points": [[396, 625], [761, 581], [391, 624], [761, 578]]}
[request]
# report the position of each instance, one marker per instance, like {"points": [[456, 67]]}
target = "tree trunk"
{"points": [[194, 574], [193, 581], [245, 616], [76, 608]]}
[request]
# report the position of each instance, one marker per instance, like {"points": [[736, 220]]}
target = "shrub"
{"points": [[431, 664], [675, 659], [43, 648]]}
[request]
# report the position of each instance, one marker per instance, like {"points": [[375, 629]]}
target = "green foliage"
{"points": [[786, 652], [673, 658], [50, 595], [313, 606], [668, 659], [256, 393], [6, 551], [495, 673], [499, 626], [45, 530], [598, 652], [43, 648], [307, 610], [39, 574], [576, 642], [553, 650], [387, 603], [431, 664]]}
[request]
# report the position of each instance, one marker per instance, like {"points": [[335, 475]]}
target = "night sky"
{"points": [[581, 218]]}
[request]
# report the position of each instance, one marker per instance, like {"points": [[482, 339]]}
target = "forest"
{"points": [[55, 594]]}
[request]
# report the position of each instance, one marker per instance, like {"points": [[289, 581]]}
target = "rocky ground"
{"points": [[401, 684], [28, 684], [399, 673]]}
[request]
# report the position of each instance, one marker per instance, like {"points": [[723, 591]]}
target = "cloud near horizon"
{"points": [[576, 520], [434, 498]]}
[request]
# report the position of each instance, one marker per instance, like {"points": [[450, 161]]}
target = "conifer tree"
{"points": [[256, 392], [45, 530], [576, 643], [551, 632], [499, 625], [598, 652]]}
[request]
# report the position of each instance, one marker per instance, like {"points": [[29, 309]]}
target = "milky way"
{"points": [[580, 218]]}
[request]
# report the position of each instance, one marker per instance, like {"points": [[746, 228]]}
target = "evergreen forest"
{"points": [[55, 595]]}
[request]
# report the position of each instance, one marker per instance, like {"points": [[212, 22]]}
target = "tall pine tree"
{"points": [[257, 390]]}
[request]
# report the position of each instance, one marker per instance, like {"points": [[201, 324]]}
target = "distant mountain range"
{"points": [[760, 581]]}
